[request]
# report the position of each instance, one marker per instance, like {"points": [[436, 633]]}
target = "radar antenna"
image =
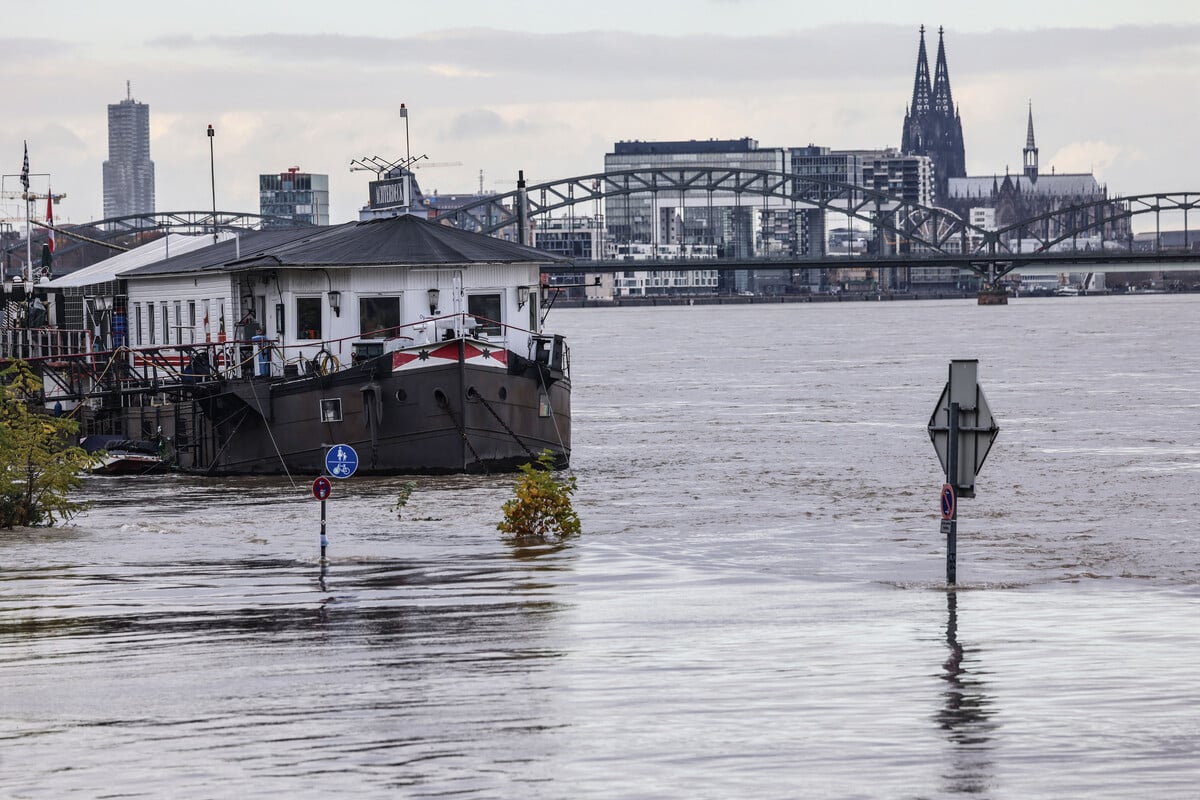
{"points": [[382, 167]]}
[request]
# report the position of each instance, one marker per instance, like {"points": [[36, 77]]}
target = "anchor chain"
{"points": [[475, 395], [463, 432]]}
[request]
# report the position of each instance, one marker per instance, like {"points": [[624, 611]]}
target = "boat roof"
{"points": [[393, 241], [173, 244]]}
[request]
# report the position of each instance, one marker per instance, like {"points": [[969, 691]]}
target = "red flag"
{"points": [[50, 220]]}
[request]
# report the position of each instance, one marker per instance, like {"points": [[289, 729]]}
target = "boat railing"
{"points": [[258, 356], [332, 355], [42, 343]]}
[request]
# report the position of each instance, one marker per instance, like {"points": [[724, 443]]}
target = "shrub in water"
{"points": [[540, 510]]}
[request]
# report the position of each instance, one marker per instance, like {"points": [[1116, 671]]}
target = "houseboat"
{"points": [[420, 345]]}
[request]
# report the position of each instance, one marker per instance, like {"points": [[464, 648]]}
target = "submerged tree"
{"points": [[540, 511], [39, 467], [406, 490]]}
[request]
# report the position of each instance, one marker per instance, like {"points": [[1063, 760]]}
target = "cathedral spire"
{"points": [[943, 102], [932, 126], [1031, 150], [921, 93]]}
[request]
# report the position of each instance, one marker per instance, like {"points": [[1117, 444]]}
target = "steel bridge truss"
{"points": [[900, 227], [930, 228], [109, 232]]}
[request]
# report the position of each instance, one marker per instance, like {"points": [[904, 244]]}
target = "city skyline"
{"points": [[551, 93]]}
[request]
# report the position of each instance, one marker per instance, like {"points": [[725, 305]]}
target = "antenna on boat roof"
{"points": [[382, 167], [404, 116]]}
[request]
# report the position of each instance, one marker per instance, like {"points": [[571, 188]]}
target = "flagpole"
{"points": [[28, 243], [212, 168], [28, 213]]}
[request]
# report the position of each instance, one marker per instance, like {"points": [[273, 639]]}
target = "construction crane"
{"points": [[32, 196]]}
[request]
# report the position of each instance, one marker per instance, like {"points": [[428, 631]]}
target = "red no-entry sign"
{"points": [[321, 488]]}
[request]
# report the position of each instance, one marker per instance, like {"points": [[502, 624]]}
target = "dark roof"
{"points": [[639, 148], [404, 241], [217, 256]]}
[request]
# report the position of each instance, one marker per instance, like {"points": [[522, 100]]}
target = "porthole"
{"points": [[401, 395], [503, 393]]}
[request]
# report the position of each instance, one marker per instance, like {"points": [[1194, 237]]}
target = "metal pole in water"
{"points": [[952, 479], [324, 541]]}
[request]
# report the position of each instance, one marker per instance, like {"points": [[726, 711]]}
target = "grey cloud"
{"points": [[28, 47], [824, 53], [483, 122]]}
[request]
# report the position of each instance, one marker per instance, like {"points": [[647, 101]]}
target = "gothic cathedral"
{"points": [[932, 126]]}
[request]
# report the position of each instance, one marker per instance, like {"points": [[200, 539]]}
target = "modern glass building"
{"points": [[128, 172], [298, 197]]}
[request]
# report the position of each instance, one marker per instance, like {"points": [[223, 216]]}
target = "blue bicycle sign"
{"points": [[341, 461]]}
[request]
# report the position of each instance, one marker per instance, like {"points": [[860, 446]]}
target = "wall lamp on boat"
{"points": [[335, 301], [435, 296], [14, 286], [522, 296]]}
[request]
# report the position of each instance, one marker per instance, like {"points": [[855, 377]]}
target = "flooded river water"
{"points": [[756, 607]]}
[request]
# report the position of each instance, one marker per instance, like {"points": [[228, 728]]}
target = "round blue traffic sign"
{"points": [[948, 501], [341, 461], [322, 488]]}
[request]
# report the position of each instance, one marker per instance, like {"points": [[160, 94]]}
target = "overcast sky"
{"points": [[549, 86]]}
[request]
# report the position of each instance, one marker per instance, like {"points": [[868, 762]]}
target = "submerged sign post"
{"points": [[962, 429], [341, 462]]}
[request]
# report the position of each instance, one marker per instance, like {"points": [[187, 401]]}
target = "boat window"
{"points": [[378, 317], [137, 322], [331, 410], [166, 320], [150, 317], [308, 318], [485, 308]]}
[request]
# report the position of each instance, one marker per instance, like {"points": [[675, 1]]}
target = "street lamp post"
{"points": [[212, 171]]}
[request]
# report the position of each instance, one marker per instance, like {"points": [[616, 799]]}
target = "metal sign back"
{"points": [[977, 429]]}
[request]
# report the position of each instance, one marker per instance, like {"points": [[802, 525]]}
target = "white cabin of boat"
{"points": [[334, 294]]}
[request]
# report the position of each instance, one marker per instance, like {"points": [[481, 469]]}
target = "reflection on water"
{"points": [[966, 713]]}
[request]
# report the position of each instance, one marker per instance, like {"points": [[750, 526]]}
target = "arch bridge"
{"points": [[902, 231], [110, 232]]}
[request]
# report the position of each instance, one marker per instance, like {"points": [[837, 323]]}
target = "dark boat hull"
{"points": [[471, 413]]}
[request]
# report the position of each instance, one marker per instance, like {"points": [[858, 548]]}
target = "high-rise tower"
{"points": [[932, 126], [128, 172]]}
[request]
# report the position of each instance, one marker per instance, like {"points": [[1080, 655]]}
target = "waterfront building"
{"points": [[723, 222], [575, 238], [812, 225], [299, 197], [128, 172], [482, 216], [719, 219], [904, 177], [932, 126]]}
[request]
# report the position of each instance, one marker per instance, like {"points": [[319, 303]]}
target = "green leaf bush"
{"points": [[540, 511]]}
